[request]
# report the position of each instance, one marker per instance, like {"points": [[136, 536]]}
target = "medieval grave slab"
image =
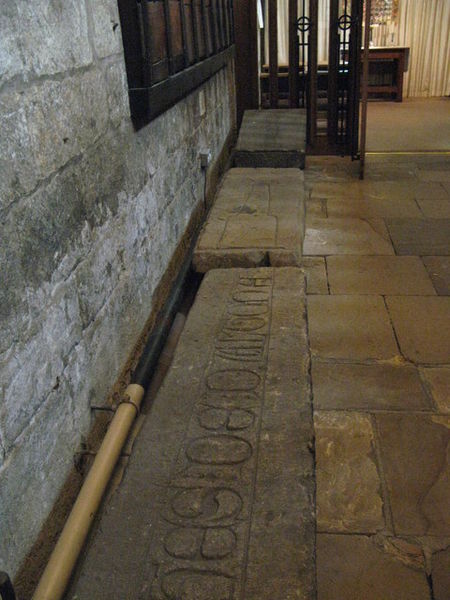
{"points": [[217, 501], [272, 138], [258, 218]]}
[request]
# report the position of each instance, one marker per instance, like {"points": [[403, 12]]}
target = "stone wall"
{"points": [[91, 213]]}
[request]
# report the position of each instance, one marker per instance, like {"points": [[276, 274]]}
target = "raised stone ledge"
{"points": [[257, 219]]}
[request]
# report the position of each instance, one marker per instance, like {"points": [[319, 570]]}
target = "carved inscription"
{"points": [[205, 523]]}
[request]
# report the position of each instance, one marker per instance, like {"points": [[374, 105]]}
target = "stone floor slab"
{"points": [[420, 237], [414, 450], [351, 567], [348, 488], [402, 275], [440, 574], [368, 387], [217, 499], [370, 208], [258, 218], [272, 138], [438, 268], [422, 325], [350, 327], [346, 236], [435, 208], [438, 380], [316, 275], [377, 191]]}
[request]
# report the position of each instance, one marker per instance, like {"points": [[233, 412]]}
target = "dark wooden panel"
{"points": [[245, 35], [162, 96]]}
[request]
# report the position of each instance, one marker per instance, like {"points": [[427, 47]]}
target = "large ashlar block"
{"points": [[272, 138], [217, 501], [258, 219]]}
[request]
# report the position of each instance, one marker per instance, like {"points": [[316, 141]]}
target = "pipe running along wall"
{"points": [[58, 571]]}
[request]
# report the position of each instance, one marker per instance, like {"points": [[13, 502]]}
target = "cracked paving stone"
{"points": [[415, 452], [440, 574], [325, 237], [422, 325], [350, 327], [353, 567], [367, 387], [384, 275], [420, 237], [348, 491], [438, 268], [438, 380]]}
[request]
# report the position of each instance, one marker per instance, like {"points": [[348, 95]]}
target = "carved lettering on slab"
{"points": [[207, 516]]}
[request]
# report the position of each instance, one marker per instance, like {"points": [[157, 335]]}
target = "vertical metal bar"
{"points": [[169, 36], [273, 53], [355, 77], [365, 90], [312, 71], [293, 54], [333, 67]]}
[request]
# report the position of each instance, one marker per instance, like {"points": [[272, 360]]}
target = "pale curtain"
{"points": [[423, 26], [283, 31]]}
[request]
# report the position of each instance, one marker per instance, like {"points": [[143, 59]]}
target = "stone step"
{"points": [[272, 138], [258, 218], [217, 500]]}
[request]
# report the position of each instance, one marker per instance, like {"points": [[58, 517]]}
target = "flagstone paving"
{"points": [[382, 275], [379, 325], [438, 268]]}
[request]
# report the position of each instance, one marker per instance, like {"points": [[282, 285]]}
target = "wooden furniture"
{"points": [[386, 67]]}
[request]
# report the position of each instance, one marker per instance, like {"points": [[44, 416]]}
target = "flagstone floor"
{"points": [[377, 256]]}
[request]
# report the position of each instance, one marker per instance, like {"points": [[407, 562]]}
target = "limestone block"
{"points": [[49, 125], [42, 38], [31, 477], [106, 32], [117, 90], [37, 363]]}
